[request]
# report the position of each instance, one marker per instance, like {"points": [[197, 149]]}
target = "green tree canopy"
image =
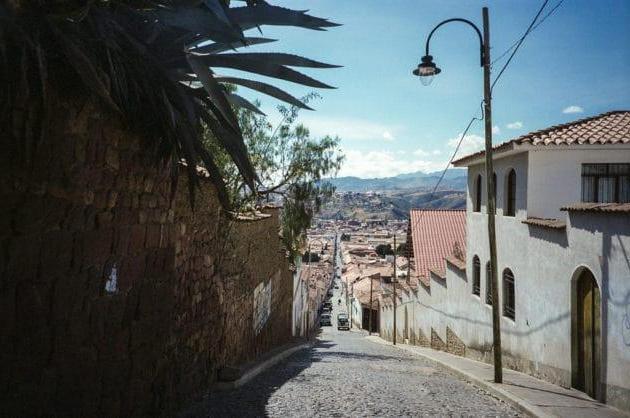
{"points": [[290, 166]]}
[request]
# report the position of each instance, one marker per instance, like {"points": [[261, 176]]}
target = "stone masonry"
{"points": [[116, 298]]}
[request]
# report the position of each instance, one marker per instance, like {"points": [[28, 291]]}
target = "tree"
{"points": [[289, 164], [151, 62], [384, 249], [345, 237], [402, 249]]}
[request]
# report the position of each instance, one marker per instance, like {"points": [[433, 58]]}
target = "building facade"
{"points": [[563, 255]]}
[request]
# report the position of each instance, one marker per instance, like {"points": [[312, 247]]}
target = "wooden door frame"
{"points": [[577, 275]]}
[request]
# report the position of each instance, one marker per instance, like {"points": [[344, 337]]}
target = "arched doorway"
{"points": [[586, 333]]}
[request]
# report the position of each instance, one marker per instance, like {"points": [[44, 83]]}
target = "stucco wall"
{"points": [[555, 176], [117, 299], [544, 261]]}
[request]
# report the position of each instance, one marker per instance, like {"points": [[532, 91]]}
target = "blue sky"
{"points": [[577, 61]]}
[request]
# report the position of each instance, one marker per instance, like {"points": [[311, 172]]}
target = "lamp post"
{"points": [[426, 70]]}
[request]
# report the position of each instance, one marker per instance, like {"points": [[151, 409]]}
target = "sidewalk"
{"points": [[532, 396]]}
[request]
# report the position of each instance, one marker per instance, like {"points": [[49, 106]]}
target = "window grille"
{"points": [[508, 294], [606, 183], [476, 282], [511, 194], [488, 284]]}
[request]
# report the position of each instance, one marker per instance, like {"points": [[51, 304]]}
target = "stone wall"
{"points": [[116, 298]]}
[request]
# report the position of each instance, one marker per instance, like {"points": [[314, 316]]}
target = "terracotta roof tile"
{"points": [[598, 207], [606, 128], [547, 223], [434, 234]]}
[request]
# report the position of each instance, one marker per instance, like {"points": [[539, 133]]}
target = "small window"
{"points": [[508, 294], [606, 183], [511, 194], [494, 190], [477, 201], [488, 284], [476, 280]]}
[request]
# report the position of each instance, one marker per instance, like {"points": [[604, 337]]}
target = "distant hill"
{"points": [[454, 179]]}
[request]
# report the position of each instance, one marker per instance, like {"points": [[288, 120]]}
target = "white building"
{"points": [[563, 243]]}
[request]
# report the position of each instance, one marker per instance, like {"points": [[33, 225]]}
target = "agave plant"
{"points": [[154, 63]]}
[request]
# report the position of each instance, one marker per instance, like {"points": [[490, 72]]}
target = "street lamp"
{"points": [[426, 70]]}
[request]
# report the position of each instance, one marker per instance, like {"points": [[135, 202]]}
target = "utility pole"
{"points": [[394, 280], [426, 70], [492, 239], [370, 319]]}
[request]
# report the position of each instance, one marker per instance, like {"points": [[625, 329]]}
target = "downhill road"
{"points": [[345, 374]]}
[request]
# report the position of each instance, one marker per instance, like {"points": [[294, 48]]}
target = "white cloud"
{"points": [[515, 125], [420, 153], [436, 152], [349, 128], [496, 130], [573, 109], [387, 136], [470, 144], [384, 163]]}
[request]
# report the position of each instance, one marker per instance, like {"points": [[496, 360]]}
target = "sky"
{"points": [[576, 64]]}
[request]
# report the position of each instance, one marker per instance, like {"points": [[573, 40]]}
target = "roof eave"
{"points": [[503, 150]]}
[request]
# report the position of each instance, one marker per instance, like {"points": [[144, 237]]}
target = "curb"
{"points": [[260, 367], [492, 388]]}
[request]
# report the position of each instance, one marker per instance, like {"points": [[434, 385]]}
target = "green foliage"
{"points": [[153, 63], [345, 237], [384, 249], [402, 249], [290, 165]]}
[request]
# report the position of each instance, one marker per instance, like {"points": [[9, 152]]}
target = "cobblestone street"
{"points": [[345, 374]]}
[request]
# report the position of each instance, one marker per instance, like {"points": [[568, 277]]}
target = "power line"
{"points": [[450, 161], [532, 26], [518, 45], [507, 51]]}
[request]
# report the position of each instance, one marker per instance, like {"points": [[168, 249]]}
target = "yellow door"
{"points": [[588, 334]]}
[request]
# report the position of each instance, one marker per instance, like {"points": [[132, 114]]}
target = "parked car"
{"points": [[336, 286], [342, 322], [327, 307], [325, 320]]}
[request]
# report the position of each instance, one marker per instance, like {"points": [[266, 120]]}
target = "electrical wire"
{"points": [[532, 26], [518, 45], [507, 51]]}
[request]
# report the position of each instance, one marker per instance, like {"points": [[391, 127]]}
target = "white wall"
{"points": [[555, 176], [544, 261]]}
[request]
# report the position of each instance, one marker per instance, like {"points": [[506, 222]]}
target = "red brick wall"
{"points": [[83, 202]]}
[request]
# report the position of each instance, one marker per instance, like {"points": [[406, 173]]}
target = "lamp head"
{"points": [[427, 70]]}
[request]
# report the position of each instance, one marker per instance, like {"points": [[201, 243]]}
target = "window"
{"points": [[488, 284], [494, 189], [510, 203], [606, 183], [477, 201], [476, 281], [508, 294]]}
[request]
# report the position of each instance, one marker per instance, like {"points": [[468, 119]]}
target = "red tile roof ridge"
{"points": [[566, 138]]}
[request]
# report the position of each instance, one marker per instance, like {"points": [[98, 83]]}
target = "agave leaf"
{"points": [[281, 59], [265, 14], [222, 47], [214, 89], [240, 101], [198, 21], [233, 144], [217, 7], [266, 89], [83, 66], [215, 176], [261, 67]]}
